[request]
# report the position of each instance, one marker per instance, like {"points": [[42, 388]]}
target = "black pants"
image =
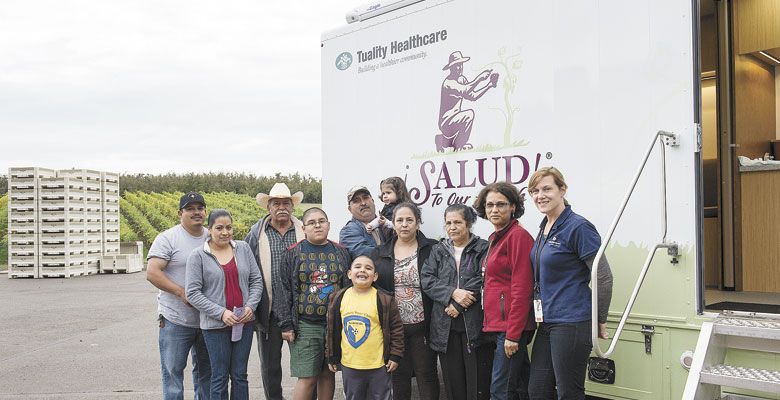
{"points": [[420, 359], [559, 360], [363, 384], [466, 371], [269, 345]]}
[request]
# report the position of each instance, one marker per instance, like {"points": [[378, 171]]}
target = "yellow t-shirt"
{"points": [[361, 340]]}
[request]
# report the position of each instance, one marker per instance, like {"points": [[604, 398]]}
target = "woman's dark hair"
{"points": [[218, 213], [399, 187], [411, 206], [468, 213], [313, 210], [508, 190]]}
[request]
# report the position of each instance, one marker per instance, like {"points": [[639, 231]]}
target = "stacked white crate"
{"points": [[93, 215], [129, 259], [109, 191], [62, 227], [23, 220]]}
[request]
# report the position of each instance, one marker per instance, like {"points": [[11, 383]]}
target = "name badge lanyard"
{"points": [[538, 313]]}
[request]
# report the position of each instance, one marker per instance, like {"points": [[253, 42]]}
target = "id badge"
{"points": [[538, 310]]}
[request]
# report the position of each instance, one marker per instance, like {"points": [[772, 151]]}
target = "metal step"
{"points": [[763, 328], [732, 396], [742, 377]]}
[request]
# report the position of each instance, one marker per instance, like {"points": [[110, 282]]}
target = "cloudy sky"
{"points": [[161, 86]]}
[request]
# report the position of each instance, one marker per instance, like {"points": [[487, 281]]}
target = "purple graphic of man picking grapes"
{"points": [[454, 122]]}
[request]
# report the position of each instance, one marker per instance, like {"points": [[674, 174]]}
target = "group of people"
{"points": [[384, 303]]}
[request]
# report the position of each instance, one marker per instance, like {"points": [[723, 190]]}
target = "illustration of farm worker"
{"points": [[180, 332], [455, 123], [269, 238], [311, 270]]}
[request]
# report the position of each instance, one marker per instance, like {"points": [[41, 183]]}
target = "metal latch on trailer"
{"points": [[648, 331]]}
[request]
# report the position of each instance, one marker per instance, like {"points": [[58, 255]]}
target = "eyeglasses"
{"points": [[499, 205], [317, 222]]}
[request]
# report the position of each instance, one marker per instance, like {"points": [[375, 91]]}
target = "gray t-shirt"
{"points": [[175, 245]]}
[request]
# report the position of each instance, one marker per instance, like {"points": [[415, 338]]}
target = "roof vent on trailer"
{"points": [[377, 8]]}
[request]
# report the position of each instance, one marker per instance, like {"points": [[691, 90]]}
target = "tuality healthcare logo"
{"points": [[343, 61]]}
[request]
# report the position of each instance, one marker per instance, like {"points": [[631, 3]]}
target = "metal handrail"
{"points": [[671, 140]]}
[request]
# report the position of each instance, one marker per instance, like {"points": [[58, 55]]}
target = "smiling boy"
{"points": [[365, 335]]}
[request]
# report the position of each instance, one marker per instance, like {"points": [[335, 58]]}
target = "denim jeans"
{"points": [[229, 360], [560, 358], [176, 342], [510, 375]]}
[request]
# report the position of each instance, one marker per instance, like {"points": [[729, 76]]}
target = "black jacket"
{"points": [[384, 260], [439, 280], [286, 295]]}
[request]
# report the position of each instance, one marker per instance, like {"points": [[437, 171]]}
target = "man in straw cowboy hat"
{"points": [[269, 238], [454, 122]]}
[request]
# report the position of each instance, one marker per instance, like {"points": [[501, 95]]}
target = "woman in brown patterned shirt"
{"points": [[398, 264]]}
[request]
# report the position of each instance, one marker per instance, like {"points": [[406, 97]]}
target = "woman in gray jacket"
{"points": [[452, 277], [225, 284]]}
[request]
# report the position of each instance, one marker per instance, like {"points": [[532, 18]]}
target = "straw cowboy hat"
{"points": [[279, 191], [455, 58]]}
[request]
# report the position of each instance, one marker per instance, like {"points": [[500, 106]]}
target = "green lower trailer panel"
{"points": [[654, 375]]}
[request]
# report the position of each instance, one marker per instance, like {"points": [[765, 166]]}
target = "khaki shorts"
{"points": [[307, 352]]}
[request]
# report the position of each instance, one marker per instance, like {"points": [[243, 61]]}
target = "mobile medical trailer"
{"points": [[455, 94]]}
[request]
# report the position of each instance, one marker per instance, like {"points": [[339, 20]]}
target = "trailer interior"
{"points": [[740, 117]]}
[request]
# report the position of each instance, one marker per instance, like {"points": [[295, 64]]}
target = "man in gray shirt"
{"points": [[179, 321]]}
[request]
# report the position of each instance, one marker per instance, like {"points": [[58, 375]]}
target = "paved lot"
{"points": [[92, 337]]}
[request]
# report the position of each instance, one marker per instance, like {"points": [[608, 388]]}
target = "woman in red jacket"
{"points": [[508, 289]]}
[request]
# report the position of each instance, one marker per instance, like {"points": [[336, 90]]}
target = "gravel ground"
{"points": [[90, 337]]}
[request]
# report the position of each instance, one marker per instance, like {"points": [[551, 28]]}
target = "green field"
{"points": [[144, 215]]}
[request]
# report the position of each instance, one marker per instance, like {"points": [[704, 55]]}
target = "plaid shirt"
{"points": [[279, 244]]}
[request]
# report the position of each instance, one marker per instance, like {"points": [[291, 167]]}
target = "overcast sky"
{"points": [[164, 85]]}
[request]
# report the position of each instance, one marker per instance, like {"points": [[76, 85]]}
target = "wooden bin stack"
{"points": [[62, 231], [109, 198], [93, 216], [23, 220], [61, 223]]}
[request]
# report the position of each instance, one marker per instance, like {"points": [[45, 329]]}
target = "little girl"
{"points": [[393, 191]]}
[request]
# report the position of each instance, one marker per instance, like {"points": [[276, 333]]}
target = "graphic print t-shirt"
{"points": [[320, 272], [361, 340]]}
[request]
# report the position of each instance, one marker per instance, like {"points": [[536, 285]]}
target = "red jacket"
{"points": [[508, 289]]}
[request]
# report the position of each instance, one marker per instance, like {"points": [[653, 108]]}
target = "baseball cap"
{"points": [[191, 197], [355, 190]]}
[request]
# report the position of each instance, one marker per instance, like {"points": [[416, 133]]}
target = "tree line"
{"points": [[242, 183]]}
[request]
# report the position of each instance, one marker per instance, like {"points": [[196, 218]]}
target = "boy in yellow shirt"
{"points": [[365, 335]]}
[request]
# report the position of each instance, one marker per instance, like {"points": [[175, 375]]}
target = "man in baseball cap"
{"points": [[179, 322], [191, 197], [354, 235]]}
